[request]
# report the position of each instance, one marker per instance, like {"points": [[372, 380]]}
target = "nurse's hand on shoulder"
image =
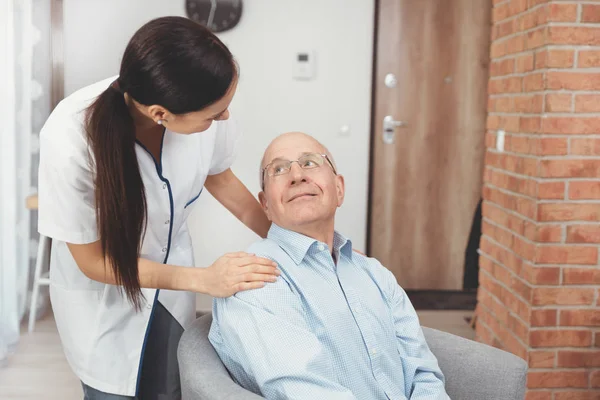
{"points": [[235, 272], [225, 277]]}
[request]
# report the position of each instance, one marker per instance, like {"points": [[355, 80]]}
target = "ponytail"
{"points": [[170, 61], [119, 190]]}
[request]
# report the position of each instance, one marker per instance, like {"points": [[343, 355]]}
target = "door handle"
{"points": [[389, 123], [389, 128]]}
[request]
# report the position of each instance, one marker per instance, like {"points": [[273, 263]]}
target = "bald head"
{"points": [[292, 140], [302, 197]]}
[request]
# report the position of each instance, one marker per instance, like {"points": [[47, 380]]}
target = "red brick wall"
{"points": [[539, 291]]}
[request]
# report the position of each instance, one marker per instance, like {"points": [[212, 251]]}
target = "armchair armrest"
{"points": [[474, 370], [203, 376]]}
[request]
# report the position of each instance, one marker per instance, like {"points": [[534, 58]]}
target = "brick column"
{"points": [[540, 272]]}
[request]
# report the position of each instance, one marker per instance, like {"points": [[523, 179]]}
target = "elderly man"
{"points": [[335, 325]]}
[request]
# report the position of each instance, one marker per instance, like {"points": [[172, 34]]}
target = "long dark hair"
{"points": [[170, 61]]}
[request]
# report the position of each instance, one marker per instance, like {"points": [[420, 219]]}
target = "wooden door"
{"points": [[425, 185]]}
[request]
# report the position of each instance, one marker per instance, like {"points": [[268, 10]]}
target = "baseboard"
{"points": [[443, 299]]}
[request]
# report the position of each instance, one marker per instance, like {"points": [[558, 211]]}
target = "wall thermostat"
{"points": [[304, 65]]}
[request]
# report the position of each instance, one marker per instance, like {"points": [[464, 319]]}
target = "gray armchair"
{"points": [[473, 371]]}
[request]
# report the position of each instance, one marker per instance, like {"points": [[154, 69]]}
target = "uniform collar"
{"points": [[297, 245]]}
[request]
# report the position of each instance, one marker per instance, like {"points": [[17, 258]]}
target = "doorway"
{"points": [[428, 130]]}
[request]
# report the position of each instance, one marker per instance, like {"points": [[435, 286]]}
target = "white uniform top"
{"points": [[103, 337]]}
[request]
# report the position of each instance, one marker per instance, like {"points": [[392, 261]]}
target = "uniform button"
{"points": [[321, 247], [164, 249], [149, 306], [167, 222], [164, 185], [373, 351]]}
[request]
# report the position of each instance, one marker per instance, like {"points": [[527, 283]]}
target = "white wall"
{"points": [[268, 101]]}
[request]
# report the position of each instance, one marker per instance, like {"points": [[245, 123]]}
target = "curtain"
{"points": [[25, 101], [9, 307]]}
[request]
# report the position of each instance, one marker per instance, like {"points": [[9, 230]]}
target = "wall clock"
{"points": [[216, 15]]}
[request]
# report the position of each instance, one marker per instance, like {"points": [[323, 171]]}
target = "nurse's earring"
{"points": [[160, 122]]}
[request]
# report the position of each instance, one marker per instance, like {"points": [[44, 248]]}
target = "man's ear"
{"points": [[340, 189], [263, 203]]}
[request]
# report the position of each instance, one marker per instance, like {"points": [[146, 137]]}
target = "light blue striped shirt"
{"points": [[325, 331]]}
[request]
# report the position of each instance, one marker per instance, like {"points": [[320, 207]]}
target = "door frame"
{"points": [[372, 139]]}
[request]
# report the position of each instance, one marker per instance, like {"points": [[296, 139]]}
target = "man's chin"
{"points": [[304, 216]]}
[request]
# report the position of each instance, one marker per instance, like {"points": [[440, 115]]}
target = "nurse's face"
{"points": [[197, 121], [303, 196]]}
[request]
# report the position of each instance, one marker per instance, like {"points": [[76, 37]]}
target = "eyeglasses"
{"points": [[306, 161]]}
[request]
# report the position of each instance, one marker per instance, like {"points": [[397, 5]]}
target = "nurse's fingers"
{"points": [[251, 260], [259, 269], [254, 277], [248, 286]]}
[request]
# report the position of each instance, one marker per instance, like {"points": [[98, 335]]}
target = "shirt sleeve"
{"points": [[226, 140], [66, 205], [264, 341], [423, 377]]}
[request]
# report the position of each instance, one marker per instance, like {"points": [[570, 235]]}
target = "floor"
{"points": [[39, 370]]}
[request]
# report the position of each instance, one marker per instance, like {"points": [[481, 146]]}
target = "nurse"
{"points": [[122, 163]]}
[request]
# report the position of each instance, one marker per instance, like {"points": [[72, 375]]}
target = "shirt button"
{"points": [[164, 249], [149, 306], [321, 247], [164, 185], [167, 222], [373, 351]]}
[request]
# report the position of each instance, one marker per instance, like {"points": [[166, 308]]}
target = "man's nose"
{"points": [[297, 174]]}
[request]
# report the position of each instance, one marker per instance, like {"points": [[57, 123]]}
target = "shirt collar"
{"points": [[297, 245]]}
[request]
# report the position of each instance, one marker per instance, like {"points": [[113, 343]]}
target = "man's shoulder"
{"points": [[268, 248], [265, 248], [372, 266], [364, 261], [265, 245]]}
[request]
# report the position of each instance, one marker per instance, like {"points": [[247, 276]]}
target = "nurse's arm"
{"points": [[226, 276], [235, 197]]}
